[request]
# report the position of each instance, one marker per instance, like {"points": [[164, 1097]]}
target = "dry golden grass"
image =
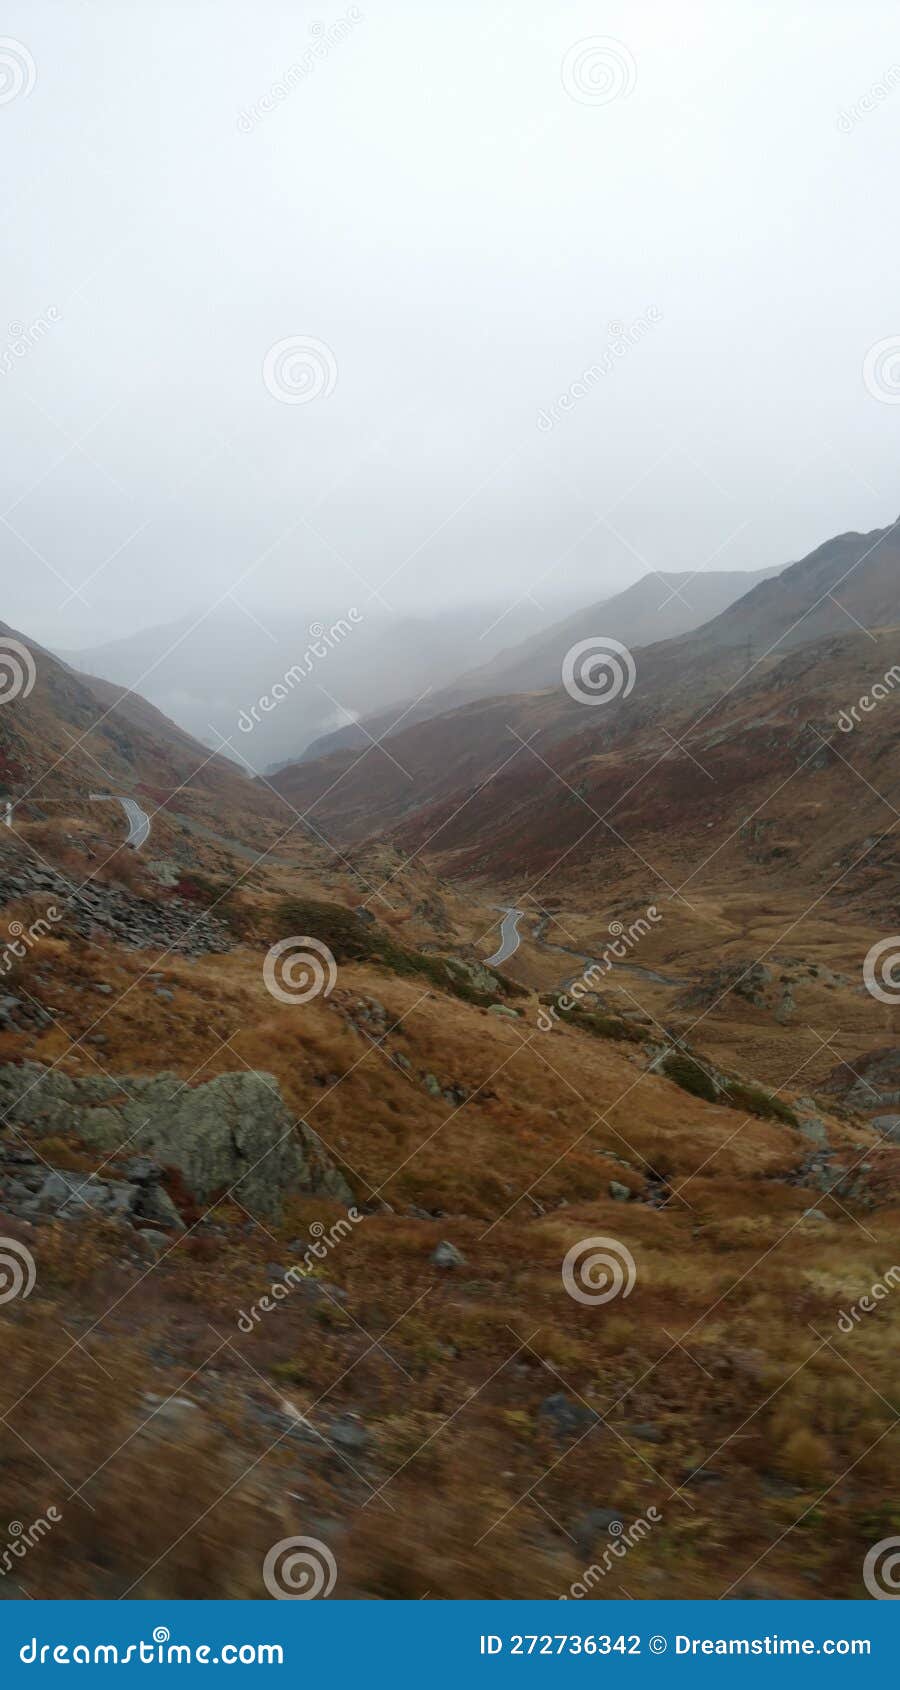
{"points": [[729, 1397]]}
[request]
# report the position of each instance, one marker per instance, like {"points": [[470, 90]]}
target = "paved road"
{"points": [[510, 938], [137, 819]]}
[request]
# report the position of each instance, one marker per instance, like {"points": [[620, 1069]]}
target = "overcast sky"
{"points": [[462, 208]]}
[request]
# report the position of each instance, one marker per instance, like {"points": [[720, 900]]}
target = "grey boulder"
{"points": [[232, 1135]]}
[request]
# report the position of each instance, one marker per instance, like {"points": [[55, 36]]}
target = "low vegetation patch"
{"points": [[690, 1076], [600, 1025], [753, 1100], [353, 940]]}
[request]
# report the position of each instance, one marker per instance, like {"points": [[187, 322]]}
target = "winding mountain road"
{"points": [[137, 819], [510, 937]]}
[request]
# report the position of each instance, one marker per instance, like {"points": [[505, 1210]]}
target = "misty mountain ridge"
{"points": [[659, 606], [210, 672]]}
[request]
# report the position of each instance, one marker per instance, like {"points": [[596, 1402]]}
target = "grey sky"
{"points": [[431, 203]]}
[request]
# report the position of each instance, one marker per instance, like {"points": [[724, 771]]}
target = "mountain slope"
{"points": [[70, 734], [466, 786], [853, 579], [657, 607]]}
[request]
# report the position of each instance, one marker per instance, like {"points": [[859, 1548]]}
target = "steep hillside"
{"points": [[852, 580], [658, 607], [64, 735], [465, 784]]}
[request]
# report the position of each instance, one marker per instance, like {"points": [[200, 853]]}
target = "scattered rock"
{"points": [[349, 1433], [447, 1256], [153, 1243], [620, 1192], [810, 1124], [565, 1416], [138, 923]]}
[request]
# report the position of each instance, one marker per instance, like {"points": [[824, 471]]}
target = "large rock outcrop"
{"points": [[233, 1134]]}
